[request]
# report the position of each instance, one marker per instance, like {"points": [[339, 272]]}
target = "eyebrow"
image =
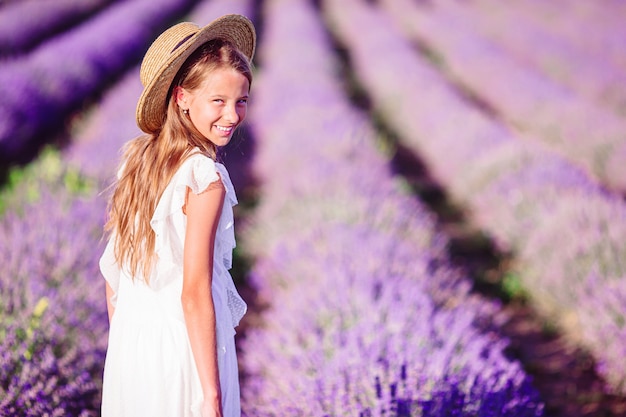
{"points": [[223, 96]]}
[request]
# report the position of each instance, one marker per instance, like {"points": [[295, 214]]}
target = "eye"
{"points": [[218, 100], [243, 101]]}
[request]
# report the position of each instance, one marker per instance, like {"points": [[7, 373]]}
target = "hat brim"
{"points": [[152, 104]]}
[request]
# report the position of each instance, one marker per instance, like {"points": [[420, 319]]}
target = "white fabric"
{"points": [[149, 368]]}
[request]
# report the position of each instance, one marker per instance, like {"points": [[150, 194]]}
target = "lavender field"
{"points": [[514, 113]]}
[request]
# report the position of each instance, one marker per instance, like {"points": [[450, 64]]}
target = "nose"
{"points": [[230, 114]]}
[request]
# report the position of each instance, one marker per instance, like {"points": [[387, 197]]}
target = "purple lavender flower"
{"points": [[28, 22], [39, 90], [54, 318]]}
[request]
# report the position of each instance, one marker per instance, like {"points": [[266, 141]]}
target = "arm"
{"points": [[109, 294], [203, 212]]}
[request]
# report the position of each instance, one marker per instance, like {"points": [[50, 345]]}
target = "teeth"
{"points": [[224, 129]]}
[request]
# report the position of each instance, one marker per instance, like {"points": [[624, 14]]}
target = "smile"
{"points": [[224, 129]]}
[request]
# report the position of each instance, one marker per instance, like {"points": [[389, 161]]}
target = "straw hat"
{"points": [[170, 50]]}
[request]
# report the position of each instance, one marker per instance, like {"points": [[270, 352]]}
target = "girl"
{"points": [[172, 303]]}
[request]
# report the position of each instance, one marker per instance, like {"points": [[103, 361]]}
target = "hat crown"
{"points": [[163, 47]]}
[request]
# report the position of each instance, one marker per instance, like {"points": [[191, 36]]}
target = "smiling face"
{"points": [[218, 105]]}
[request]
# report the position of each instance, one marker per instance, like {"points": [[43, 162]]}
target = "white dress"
{"points": [[149, 368]]}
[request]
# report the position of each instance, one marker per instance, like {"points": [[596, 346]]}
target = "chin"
{"points": [[219, 142]]}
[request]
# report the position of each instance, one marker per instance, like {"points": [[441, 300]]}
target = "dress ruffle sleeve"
{"points": [[224, 245], [196, 173], [227, 236], [168, 223], [109, 268]]}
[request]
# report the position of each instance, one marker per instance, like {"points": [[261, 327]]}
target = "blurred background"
{"points": [[431, 216]]}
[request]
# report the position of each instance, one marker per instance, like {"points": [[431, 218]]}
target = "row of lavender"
{"points": [[41, 89], [25, 24], [54, 316], [364, 314], [595, 29], [582, 48], [587, 131], [568, 234]]}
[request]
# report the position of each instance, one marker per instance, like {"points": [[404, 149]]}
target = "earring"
{"points": [[186, 111]]}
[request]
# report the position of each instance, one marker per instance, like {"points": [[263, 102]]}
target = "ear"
{"points": [[180, 94]]}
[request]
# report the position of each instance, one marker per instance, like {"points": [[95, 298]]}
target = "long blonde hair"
{"points": [[150, 161]]}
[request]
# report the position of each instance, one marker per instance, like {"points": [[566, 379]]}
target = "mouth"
{"points": [[227, 130]]}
